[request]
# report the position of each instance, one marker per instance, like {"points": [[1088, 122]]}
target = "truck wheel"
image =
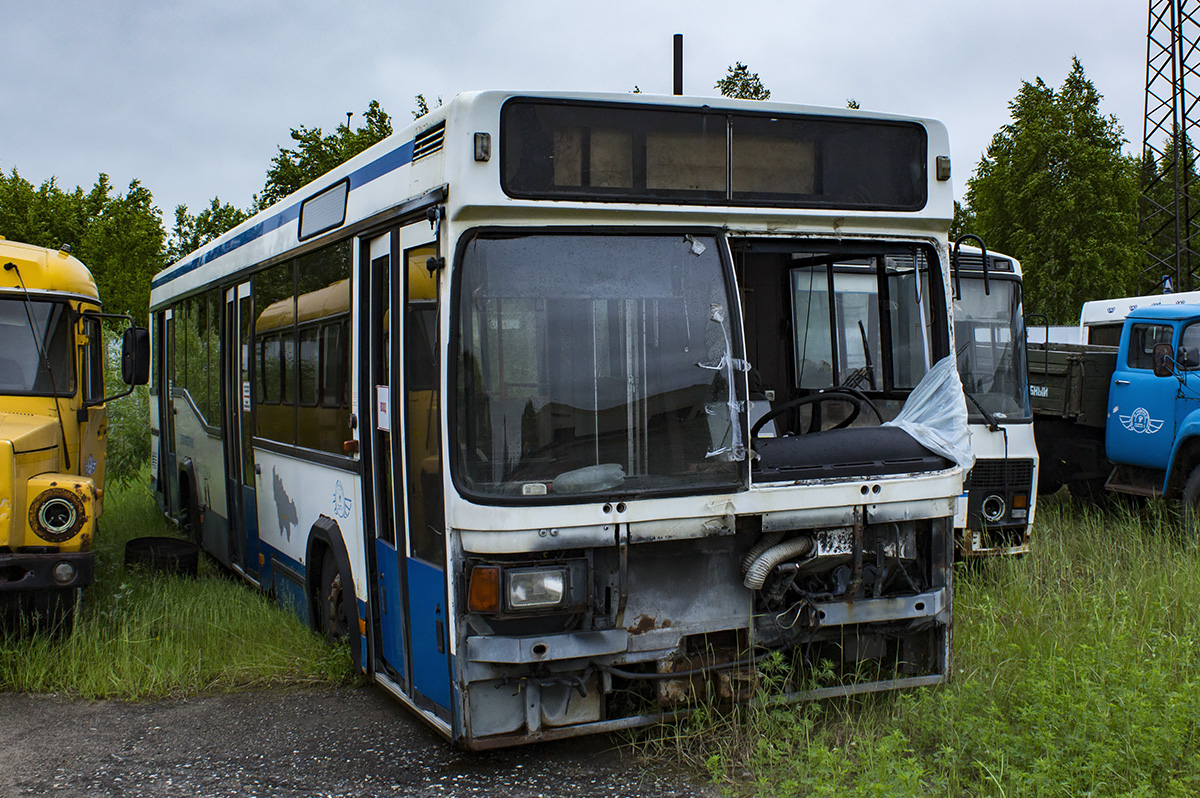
{"points": [[1089, 491], [1191, 501]]}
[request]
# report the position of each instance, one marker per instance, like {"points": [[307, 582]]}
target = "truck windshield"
{"points": [[989, 333], [23, 370], [591, 363]]}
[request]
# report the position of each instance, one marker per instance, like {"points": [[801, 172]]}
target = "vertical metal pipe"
{"points": [[678, 64]]}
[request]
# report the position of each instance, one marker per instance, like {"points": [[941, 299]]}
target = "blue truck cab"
{"points": [[1152, 432]]}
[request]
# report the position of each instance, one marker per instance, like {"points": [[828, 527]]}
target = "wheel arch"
{"points": [[326, 535], [1185, 456]]}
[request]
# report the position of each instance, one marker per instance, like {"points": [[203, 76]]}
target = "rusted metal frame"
{"points": [[860, 514]]}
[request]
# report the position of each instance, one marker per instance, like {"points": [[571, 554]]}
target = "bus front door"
{"points": [[409, 585], [429, 627], [387, 574], [239, 456]]}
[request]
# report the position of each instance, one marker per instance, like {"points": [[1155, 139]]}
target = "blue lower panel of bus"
{"points": [[286, 576], [429, 632], [250, 529], [391, 606]]}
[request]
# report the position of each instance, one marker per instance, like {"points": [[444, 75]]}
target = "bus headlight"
{"points": [[56, 515], [536, 589], [993, 508]]}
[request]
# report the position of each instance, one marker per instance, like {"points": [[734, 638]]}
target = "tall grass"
{"points": [[1076, 672], [140, 634]]}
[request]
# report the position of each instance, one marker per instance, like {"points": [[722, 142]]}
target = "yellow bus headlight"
{"points": [[57, 514]]}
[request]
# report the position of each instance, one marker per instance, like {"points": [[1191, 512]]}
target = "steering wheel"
{"points": [[851, 396]]}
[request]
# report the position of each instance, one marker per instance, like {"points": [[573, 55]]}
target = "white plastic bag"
{"points": [[935, 414]]}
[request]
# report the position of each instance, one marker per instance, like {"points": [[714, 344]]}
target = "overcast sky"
{"points": [[194, 98]]}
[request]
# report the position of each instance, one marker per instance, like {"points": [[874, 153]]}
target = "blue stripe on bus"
{"points": [[388, 162]]}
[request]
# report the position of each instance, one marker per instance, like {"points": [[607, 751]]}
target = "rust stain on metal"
{"points": [[645, 623]]}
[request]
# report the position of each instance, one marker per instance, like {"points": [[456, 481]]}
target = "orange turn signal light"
{"points": [[1020, 501], [483, 593]]}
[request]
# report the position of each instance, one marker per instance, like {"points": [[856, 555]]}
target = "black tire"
{"points": [[190, 523], [1191, 501], [51, 611], [1089, 491], [331, 604], [165, 555]]}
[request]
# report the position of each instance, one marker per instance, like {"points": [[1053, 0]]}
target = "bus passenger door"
{"points": [[425, 568], [168, 471], [239, 455], [385, 585]]}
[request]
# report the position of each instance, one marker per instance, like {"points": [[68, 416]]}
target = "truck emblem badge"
{"points": [[1139, 421], [90, 466]]}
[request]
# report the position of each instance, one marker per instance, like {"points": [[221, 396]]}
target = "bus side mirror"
{"points": [[135, 356], [1164, 360]]}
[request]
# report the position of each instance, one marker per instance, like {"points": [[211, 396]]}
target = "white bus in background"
{"points": [[564, 409], [995, 514], [1100, 320]]}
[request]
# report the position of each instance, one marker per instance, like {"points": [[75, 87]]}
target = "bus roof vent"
{"points": [[429, 141]]}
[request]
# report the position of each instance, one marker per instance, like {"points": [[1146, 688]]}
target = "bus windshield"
{"points": [[989, 332], [595, 363], [23, 357]]}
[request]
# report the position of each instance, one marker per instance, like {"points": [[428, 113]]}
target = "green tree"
{"points": [[740, 83], [316, 153], [964, 221], [192, 232], [123, 247], [118, 236], [45, 216], [1055, 190], [423, 105]]}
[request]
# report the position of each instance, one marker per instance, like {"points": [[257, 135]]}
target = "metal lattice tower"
{"points": [[1169, 210]]}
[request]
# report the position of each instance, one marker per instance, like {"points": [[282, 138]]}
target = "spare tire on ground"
{"points": [[166, 555]]}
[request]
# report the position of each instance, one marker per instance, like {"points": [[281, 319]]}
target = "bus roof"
{"points": [[1114, 311], [45, 271], [998, 262], [399, 171]]}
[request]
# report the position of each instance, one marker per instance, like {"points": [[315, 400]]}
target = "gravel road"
{"points": [[296, 744]]}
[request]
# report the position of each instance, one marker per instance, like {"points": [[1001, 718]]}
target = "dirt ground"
{"points": [[297, 744]]}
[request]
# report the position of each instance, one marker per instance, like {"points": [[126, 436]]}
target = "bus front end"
{"points": [[995, 512], [673, 472], [51, 444]]}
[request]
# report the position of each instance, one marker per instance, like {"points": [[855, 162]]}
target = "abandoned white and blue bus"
{"points": [[568, 409]]}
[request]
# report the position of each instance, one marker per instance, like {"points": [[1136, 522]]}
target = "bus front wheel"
{"points": [[331, 611]]}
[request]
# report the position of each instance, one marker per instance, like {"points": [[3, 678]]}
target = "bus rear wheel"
{"points": [[331, 613]]}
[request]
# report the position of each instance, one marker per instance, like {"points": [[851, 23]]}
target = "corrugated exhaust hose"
{"points": [[757, 573], [765, 542]]}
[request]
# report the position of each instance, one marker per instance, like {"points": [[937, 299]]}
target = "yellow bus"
{"points": [[53, 428]]}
